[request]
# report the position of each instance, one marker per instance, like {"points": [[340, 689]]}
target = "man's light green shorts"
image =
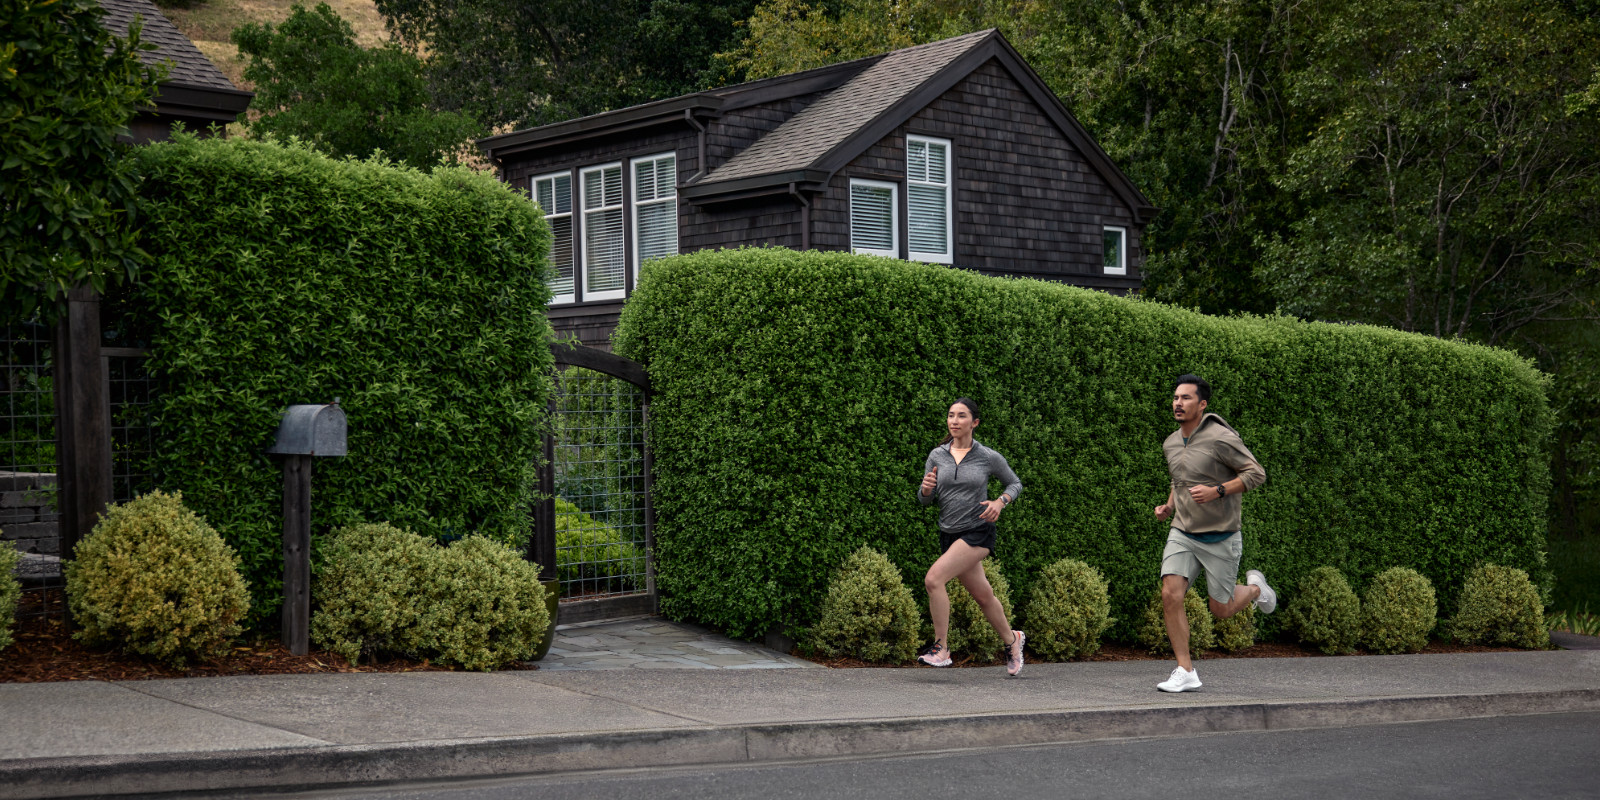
{"points": [[1185, 556]]}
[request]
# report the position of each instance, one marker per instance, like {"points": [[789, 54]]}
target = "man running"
{"points": [[1210, 469]]}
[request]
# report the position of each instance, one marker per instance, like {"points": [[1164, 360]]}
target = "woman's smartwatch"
{"points": [[1222, 491]]}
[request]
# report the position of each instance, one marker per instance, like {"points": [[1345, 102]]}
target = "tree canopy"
{"points": [[67, 91], [314, 82]]}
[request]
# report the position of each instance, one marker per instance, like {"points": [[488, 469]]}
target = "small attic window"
{"points": [[874, 229], [1115, 251]]}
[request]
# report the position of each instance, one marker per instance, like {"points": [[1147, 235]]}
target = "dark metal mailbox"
{"points": [[313, 430]]}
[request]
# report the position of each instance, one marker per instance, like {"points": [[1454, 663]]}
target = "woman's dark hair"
{"points": [[972, 408], [1200, 386]]}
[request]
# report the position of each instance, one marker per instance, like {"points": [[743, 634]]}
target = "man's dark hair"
{"points": [[1200, 386]]}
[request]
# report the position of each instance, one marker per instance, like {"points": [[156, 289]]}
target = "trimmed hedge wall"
{"points": [[282, 277], [795, 396]]}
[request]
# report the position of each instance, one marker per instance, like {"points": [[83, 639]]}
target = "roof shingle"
{"points": [[190, 67]]}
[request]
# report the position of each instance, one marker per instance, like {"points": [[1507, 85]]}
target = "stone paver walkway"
{"points": [[655, 643]]}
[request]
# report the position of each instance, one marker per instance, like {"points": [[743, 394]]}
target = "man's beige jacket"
{"points": [[1214, 454]]}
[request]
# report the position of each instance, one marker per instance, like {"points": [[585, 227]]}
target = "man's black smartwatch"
{"points": [[1222, 491]]}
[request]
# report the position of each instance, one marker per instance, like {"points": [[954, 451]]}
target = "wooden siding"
{"points": [[1026, 202]]}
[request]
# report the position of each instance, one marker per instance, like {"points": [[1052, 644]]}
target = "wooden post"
{"points": [[297, 553], [542, 548], [82, 419]]}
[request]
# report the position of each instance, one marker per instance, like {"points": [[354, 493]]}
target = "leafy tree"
{"points": [[1446, 187], [67, 90], [313, 81], [527, 63]]}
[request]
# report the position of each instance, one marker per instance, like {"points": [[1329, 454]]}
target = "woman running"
{"points": [[956, 477]]}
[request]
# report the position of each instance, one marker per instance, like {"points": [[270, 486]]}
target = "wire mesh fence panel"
{"points": [[602, 545], [28, 507], [130, 391]]}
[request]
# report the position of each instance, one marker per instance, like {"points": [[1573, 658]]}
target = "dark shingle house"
{"points": [[953, 152], [195, 92]]}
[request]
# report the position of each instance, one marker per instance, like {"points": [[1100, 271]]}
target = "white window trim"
{"points": [[633, 228], [533, 191], [949, 200], [894, 218], [582, 197], [1122, 252]]}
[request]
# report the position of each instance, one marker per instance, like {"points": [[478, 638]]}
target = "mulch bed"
{"points": [[44, 650]]}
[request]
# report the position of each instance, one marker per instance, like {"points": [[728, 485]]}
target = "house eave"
{"points": [[800, 180], [201, 102], [674, 110]]}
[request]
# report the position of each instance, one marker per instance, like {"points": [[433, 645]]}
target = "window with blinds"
{"points": [[1115, 251], [928, 207], [655, 208], [553, 193], [604, 264], [873, 228]]}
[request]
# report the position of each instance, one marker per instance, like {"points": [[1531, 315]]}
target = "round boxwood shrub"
{"points": [[1500, 606], [155, 579], [869, 613], [970, 631], [1236, 632], [365, 591], [1398, 611], [10, 591], [1325, 612], [1152, 632], [483, 606], [1068, 611]]}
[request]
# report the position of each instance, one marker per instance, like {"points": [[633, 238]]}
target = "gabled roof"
{"points": [[863, 101], [194, 86]]}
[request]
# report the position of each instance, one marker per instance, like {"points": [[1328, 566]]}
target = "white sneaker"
{"points": [[1182, 680], [1268, 601]]}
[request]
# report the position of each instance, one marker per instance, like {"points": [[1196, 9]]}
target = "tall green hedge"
{"points": [[282, 276], [797, 394]]}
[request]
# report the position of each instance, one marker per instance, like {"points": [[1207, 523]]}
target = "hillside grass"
{"points": [[208, 23]]}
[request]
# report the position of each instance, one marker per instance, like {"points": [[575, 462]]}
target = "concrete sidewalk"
{"points": [[279, 732]]}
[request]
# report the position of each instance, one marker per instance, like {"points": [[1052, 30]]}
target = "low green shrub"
{"points": [[1068, 611], [869, 613], [156, 580], [365, 591], [1398, 611], [1500, 606], [587, 549], [970, 631], [1152, 631], [1236, 632], [10, 591], [1325, 612], [483, 605]]}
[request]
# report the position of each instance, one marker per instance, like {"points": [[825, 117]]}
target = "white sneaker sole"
{"points": [[932, 663], [1187, 687]]}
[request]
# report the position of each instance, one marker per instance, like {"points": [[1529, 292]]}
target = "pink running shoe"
{"points": [[936, 656], [1014, 654]]}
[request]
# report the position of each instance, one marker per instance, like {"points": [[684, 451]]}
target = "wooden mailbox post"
{"points": [[306, 432]]}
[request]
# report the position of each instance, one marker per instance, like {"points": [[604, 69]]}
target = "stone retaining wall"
{"points": [[28, 513]]}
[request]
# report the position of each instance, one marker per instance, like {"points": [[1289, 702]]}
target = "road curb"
{"points": [[346, 765]]}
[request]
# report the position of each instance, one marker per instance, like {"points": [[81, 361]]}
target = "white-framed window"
{"points": [[1114, 251], [553, 193], [655, 208], [874, 226], [605, 267], [929, 219]]}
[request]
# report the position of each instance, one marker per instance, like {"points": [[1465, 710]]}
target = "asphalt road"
{"points": [[1550, 756]]}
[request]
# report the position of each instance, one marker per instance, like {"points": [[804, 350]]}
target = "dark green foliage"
{"points": [[1152, 631], [796, 396], [1398, 612], [1067, 611], [590, 550], [313, 81], [282, 277], [869, 613], [970, 631], [1324, 612], [68, 205], [533, 63], [1500, 606]]}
